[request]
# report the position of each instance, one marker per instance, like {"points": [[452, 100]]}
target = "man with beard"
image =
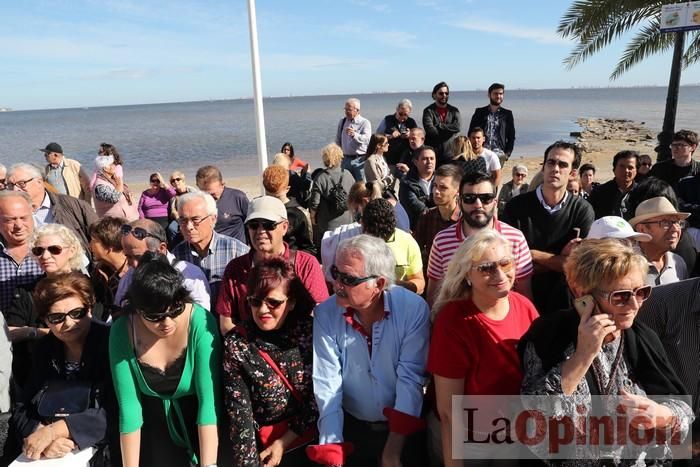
{"points": [[497, 123], [442, 123], [553, 221], [397, 127], [610, 198], [478, 204]]}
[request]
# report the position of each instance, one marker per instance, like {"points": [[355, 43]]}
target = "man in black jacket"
{"points": [[415, 192], [497, 122], [610, 198], [442, 122], [397, 127]]}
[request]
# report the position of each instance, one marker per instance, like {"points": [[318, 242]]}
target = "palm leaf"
{"points": [[692, 53], [648, 41]]}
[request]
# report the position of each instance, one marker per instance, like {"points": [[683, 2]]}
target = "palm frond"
{"points": [[692, 52], [648, 41]]}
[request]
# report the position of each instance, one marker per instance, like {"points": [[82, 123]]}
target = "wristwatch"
{"points": [[33, 333]]}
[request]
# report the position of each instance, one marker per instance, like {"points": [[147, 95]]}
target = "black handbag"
{"points": [[60, 398]]}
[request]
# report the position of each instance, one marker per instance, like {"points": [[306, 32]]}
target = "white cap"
{"points": [[267, 207], [615, 227]]}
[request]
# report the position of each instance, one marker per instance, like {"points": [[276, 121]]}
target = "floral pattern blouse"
{"points": [[256, 396]]}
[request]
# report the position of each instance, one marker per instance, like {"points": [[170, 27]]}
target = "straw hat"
{"points": [[655, 207]]}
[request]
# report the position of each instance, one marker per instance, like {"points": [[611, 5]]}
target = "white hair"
{"points": [[209, 203], [519, 168], [377, 256], [405, 103], [31, 169], [67, 236], [102, 162], [354, 101]]}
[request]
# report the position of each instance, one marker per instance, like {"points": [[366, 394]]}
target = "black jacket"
{"points": [[507, 127], [397, 146], [438, 134], [688, 191], [413, 199], [608, 200]]}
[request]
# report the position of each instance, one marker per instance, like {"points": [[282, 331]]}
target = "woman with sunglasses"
{"points": [[68, 402], [267, 371], [112, 196], [58, 251], [477, 319], [165, 356], [154, 201], [598, 348]]}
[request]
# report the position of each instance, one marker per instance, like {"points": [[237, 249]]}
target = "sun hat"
{"points": [[266, 207], [615, 227], [655, 207]]}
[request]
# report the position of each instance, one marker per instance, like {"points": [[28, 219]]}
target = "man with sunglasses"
{"points": [[477, 201], [370, 350], [552, 221], [144, 235], [267, 224], [442, 123], [658, 218]]}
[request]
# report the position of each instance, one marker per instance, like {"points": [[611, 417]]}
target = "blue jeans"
{"points": [[356, 166]]}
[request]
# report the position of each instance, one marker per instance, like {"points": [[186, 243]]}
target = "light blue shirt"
{"points": [[43, 213], [347, 378]]}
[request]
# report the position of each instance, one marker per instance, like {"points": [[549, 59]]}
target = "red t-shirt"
{"points": [[234, 285], [467, 344], [442, 113]]}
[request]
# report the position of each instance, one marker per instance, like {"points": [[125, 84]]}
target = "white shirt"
{"points": [[42, 215], [492, 161]]}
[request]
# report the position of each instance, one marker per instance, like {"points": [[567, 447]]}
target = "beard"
{"points": [[494, 103], [480, 223]]}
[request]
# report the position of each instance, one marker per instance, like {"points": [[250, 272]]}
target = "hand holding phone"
{"points": [[594, 326]]}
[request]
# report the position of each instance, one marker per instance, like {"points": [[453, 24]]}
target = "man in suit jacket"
{"points": [[497, 123]]}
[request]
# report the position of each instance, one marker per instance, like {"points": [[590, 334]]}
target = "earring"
{"points": [[469, 283]]}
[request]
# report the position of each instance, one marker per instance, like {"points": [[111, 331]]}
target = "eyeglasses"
{"points": [[138, 232], [265, 224], [173, 312], [679, 145], [272, 303], [155, 180], [666, 224], [443, 93], [521, 175], [470, 198], [347, 279], [622, 297], [553, 163], [176, 179], [489, 269], [183, 221], [53, 249], [75, 314], [22, 184]]}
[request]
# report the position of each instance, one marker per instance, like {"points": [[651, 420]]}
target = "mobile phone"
{"points": [[585, 304]]}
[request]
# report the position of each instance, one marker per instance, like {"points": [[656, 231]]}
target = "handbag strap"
{"points": [[276, 369]]}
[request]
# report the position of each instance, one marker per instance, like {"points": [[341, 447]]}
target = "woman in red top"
{"points": [[478, 321]]}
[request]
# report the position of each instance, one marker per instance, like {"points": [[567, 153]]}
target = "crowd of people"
{"points": [[332, 320]]}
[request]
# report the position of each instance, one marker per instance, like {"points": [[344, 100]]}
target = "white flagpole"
{"points": [[257, 88]]}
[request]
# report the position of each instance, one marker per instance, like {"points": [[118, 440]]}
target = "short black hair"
{"points": [[626, 154], [419, 152], [495, 86], [688, 136], [108, 231], [156, 285], [378, 219], [650, 187], [474, 178], [450, 170], [585, 167], [476, 129], [568, 145], [441, 84]]}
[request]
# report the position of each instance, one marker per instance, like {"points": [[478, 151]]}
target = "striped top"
{"points": [[448, 240]]}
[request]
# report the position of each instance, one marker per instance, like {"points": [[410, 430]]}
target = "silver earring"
{"points": [[469, 283]]}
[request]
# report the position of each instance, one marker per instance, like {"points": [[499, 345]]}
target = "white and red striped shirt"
{"points": [[448, 240]]}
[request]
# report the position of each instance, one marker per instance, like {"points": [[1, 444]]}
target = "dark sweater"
{"points": [[671, 173], [608, 200]]}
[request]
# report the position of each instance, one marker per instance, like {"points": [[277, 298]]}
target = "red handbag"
{"points": [[270, 433]]}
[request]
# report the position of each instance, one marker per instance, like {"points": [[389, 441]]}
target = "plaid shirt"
{"points": [[222, 249], [13, 275], [429, 224]]}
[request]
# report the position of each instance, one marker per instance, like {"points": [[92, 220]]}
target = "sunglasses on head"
{"points": [[347, 279], [138, 232], [53, 249], [75, 314], [173, 312], [490, 268], [470, 198], [265, 224], [622, 297], [272, 303]]}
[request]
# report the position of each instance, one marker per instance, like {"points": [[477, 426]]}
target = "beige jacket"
{"points": [[77, 181]]}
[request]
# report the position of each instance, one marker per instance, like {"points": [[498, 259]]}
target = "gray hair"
{"points": [[209, 203], [354, 101], [67, 237], [102, 162], [3, 168], [7, 194], [519, 168], [405, 103], [31, 169], [377, 256]]}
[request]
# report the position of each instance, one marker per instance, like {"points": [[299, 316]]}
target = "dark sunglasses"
{"points": [[53, 249], [138, 232], [490, 268], [176, 179], [470, 198], [622, 297], [347, 279], [155, 180], [173, 312], [58, 318], [265, 224], [272, 303]]}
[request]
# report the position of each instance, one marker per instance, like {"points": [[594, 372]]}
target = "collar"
{"points": [[46, 203], [547, 207], [350, 312], [460, 232], [212, 244], [60, 165]]}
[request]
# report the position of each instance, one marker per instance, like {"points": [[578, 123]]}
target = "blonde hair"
{"points": [[602, 261], [282, 160], [332, 155], [455, 285], [177, 173], [160, 178], [462, 149], [69, 239]]}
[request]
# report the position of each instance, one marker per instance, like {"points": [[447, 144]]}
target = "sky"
{"points": [[85, 53]]}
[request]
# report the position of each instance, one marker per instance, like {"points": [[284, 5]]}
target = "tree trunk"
{"points": [[663, 151]]}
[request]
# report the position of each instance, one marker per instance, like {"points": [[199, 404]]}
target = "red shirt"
{"points": [[234, 286], [467, 344]]}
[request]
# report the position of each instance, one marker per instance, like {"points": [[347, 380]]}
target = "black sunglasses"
{"points": [[265, 224], [347, 279], [470, 198], [272, 303], [173, 312], [138, 232], [58, 318], [155, 180], [53, 249]]}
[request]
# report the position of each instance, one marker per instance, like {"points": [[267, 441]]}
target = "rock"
{"points": [[575, 134], [630, 141]]}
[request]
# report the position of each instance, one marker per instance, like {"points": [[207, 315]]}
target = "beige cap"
{"points": [[655, 207], [266, 207]]}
